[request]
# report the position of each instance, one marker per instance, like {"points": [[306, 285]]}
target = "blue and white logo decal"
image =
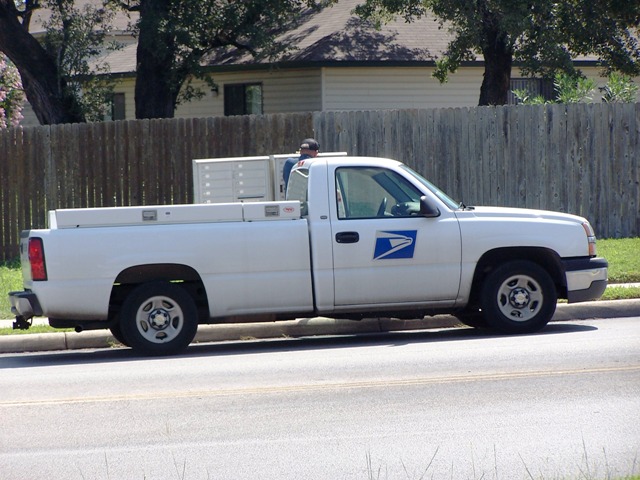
{"points": [[397, 244]]}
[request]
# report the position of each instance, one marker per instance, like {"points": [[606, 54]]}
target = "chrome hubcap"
{"points": [[159, 319], [520, 298]]}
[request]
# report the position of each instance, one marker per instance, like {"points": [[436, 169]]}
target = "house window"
{"points": [[243, 99], [534, 86], [116, 109]]}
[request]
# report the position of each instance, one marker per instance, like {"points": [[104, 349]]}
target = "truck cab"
{"points": [[382, 238]]}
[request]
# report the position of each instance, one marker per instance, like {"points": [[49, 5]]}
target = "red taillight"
{"points": [[36, 259]]}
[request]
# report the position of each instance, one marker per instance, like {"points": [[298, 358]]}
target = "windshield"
{"points": [[451, 203]]}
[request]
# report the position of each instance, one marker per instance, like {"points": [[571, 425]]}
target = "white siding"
{"points": [[334, 88], [293, 91], [283, 91], [128, 86], [380, 88], [375, 88]]}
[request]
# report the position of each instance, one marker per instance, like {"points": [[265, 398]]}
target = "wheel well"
{"points": [[131, 277], [547, 259]]}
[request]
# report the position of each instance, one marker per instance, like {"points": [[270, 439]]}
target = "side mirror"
{"points": [[428, 209]]}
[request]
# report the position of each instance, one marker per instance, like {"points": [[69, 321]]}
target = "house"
{"points": [[340, 62]]}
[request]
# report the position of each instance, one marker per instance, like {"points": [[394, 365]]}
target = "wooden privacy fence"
{"points": [[137, 162], [580, 159]]}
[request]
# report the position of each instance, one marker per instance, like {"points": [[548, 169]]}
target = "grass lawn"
{"points": [[624, 259], [624, 266], [34, 329], [10, 279]]}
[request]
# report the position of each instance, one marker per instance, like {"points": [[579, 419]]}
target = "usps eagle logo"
{"points": [[396, 244]]}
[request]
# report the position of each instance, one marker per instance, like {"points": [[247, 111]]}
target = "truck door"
{"points": [[384, 252]]}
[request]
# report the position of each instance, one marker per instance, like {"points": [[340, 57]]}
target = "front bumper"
{"points": [[586, 278], [25, 304]]}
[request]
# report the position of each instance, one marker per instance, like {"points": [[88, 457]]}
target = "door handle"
{"points": [[347, 237]]}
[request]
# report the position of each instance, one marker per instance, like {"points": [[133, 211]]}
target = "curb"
{"points": [[302, 327]]}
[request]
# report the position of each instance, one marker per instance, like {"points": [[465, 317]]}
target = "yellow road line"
{"points": [[318, 387]]}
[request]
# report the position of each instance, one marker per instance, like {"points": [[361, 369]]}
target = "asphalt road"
{"points": [[453, 403]]}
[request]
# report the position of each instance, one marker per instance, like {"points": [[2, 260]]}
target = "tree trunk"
{"points": [[496, 80], [156, 90], [498, 57], [43, 88]]}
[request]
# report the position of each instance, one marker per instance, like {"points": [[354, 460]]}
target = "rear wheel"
{"points": [[518, 297], [158, 318]]}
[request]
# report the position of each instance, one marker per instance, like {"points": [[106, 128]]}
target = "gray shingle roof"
{"points": [[120, 22], [335, 34]]}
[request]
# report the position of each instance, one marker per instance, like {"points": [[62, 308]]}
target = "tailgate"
{"points": [[24, 257]]}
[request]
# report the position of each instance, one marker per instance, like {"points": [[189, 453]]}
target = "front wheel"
{"points": [[117, 334], [158, 318], [518, 297], [473, 319]]}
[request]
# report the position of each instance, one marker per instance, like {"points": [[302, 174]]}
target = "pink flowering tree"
{"points": [[11, 95]]}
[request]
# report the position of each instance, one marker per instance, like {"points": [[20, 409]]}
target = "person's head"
{"points": [[309, 147]]}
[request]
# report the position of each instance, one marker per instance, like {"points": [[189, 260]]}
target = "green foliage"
{"points": [[573, 88], [76, 38], [527, 98], [11, 94], [619, 89]]}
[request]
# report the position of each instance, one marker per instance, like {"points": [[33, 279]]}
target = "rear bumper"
{"points": [[586, 278], [25, 304]]}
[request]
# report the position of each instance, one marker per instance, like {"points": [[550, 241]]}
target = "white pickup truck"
{"points": [[357, 237]]}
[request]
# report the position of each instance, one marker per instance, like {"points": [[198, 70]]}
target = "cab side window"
{"points": [[298, 188], [372, 192]]}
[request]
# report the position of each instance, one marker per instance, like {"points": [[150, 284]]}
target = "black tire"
{"points": [[472, 319], [117, 334], [158, 318], [518, 297]]}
